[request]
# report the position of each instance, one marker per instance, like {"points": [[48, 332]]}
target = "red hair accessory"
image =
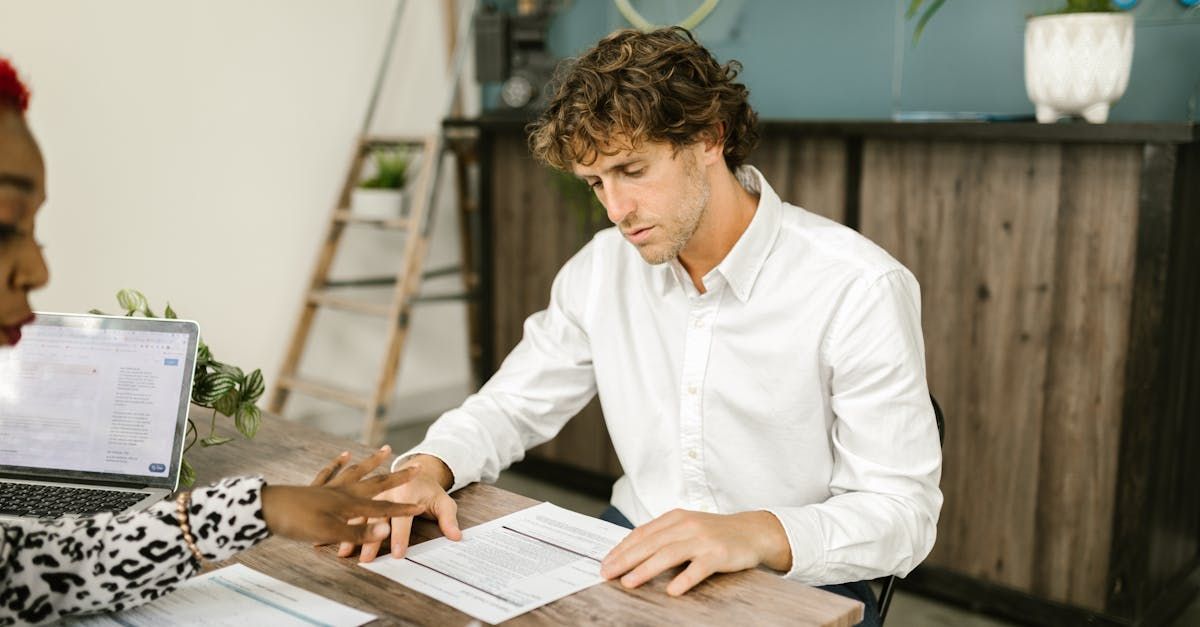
{"points": [[13, 92]]}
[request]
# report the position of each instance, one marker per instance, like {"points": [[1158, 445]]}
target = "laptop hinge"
{"points": [[108, 483]]}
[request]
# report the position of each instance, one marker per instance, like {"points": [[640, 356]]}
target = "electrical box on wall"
{"points": [[511, 49]]}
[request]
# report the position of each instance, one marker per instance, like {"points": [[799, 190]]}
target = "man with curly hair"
{"points": [[761, 369]]}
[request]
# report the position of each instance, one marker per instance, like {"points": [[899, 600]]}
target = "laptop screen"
{"points": [[97, 397]]}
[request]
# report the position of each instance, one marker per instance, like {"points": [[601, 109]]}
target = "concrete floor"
{"points": [[908, 610]]}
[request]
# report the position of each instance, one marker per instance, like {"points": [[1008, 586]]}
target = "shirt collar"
{"points": [[745, 260]]}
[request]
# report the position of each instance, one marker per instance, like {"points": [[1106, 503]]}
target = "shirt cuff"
{"points": [[806, 541], [226, 517], [454, 454]]}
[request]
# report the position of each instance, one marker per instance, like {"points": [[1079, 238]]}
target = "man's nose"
{"points": [[618, 204]]}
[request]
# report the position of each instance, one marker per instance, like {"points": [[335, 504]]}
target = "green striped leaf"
{"points": [[229, 369], [253, 388], [130, 300], [202, 390], [203, 357], [248, 420], [221, 384], [228, 404]]}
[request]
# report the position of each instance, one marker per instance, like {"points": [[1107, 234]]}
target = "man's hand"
{"points": [[426, 490], [323, 512], [713, 543]]}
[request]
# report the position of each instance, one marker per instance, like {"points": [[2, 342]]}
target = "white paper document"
{"points": [[235, 595], [508, 566]]}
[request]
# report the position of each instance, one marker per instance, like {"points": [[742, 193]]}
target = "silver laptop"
{"points": [[93, 413]]}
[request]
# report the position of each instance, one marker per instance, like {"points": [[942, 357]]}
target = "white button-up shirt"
{"points": [[795, 384]]}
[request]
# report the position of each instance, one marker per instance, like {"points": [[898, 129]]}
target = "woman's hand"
{"points": [[322, 512]]}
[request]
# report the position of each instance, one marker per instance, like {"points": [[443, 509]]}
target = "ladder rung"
{"points": [[441, 298], [349, 217], [393, 140], [325, 391], [318, 297], [380, 281], [443, 271]]}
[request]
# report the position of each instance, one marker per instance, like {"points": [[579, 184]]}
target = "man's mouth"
{"points": [[639, 235]]}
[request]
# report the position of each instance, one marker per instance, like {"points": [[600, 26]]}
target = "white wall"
{"points": [[194, 150]]}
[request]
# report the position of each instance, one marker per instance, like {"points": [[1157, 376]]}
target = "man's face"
{"points": [[22, 191], [654, 194]]}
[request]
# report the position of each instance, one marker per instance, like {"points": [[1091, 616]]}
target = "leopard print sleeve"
{"points": [[52, 569]]}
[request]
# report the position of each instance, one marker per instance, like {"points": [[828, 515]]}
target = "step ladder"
{"points": [[322, 292]]}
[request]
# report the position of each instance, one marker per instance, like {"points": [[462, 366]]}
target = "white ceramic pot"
{"points": [[377, 203], [1077, 63]]}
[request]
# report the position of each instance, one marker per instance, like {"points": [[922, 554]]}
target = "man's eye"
{"points": [[634, 173], [596, 184]]}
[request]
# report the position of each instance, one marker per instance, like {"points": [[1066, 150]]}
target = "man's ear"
{"points": [[713, 143]]}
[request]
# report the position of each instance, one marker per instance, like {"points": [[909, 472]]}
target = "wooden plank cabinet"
{"points": [[1060, 277]]}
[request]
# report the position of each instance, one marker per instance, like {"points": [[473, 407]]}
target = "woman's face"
{"points": [[22, 192]]}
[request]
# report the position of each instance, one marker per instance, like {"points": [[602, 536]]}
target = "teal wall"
{"points": [[854, 59]]}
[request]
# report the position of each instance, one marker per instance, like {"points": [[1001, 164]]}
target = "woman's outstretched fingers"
{"points": [[355, 472], [369, 488], [326, 474]]}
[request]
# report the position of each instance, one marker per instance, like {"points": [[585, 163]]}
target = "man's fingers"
{"points": [[386, 509], [633, 550], [668, 556], [369, 533], [370, 549], [696, 572], [357, 471], [401, 527], [667, 520], [346, 549], [328, 472], [368, 488], [445, 511]]}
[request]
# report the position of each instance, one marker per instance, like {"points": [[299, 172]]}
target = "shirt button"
{"points": [[691, 389], [699, 323], [692, 453]]}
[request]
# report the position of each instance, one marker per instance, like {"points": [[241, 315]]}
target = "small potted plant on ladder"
{"points": [[382, 194]]}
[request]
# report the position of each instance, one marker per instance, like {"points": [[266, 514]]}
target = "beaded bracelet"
{"points": [[181, 514]]}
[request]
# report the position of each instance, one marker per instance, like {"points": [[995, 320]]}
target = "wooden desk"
{"points": [[286, 452]]}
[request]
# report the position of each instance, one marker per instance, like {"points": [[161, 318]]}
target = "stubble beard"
{"points": [[680, 229]]}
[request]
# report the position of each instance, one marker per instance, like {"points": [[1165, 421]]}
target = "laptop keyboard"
{"points": [[49, 501]]}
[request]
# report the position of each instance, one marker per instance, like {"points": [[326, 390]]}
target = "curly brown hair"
{"points": [[634, 87]]}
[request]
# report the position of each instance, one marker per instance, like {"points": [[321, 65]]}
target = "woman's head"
{"points": [[22, 192]]}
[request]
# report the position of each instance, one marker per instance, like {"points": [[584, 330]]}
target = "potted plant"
{"points": [[382, 195], [221, 387], [1077, 59]]}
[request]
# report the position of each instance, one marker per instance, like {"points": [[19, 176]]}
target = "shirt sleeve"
{"points": [[542, 383], [52, 569], [882, 516]]}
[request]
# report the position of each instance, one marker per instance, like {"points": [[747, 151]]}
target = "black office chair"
{"points": [[889, 584]]}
